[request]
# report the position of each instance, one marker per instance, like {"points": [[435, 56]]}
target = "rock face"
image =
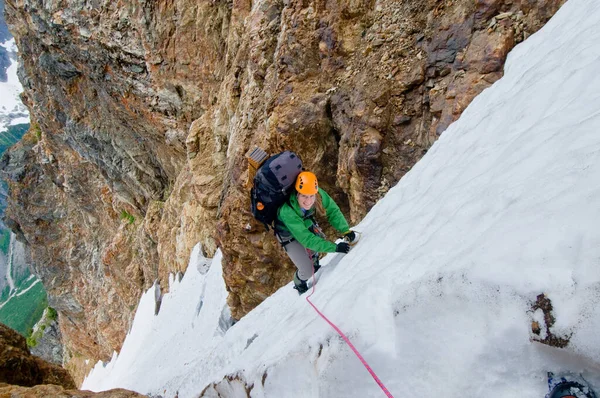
{"points": [[94, 188], [142, 113], [45, 391], [27, 376], [360, 90], [4, 64], [49, 346], [19, 367]]}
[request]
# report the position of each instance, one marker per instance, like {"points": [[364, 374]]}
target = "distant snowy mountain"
{"points": [[4, 37], [12, 110]]}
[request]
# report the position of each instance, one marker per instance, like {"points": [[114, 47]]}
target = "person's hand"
{"points": [[342, 247], [350, 236]]}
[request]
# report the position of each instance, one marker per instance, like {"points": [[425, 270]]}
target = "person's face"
{"points": [[306, 201]]}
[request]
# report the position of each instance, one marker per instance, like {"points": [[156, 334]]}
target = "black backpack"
{"points": [[272, 185]]}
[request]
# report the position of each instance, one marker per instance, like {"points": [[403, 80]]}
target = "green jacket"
{"points": [[297, 224]]}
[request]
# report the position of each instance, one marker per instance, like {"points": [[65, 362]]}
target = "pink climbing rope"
{"points": [[347, 340]]}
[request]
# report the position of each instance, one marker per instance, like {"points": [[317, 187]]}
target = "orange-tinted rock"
{"points": [[19, 367], [45, 391]]}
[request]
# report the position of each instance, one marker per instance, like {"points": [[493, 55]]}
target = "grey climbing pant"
{"points": [[302, 258]]}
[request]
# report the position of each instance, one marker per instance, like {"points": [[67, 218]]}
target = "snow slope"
{"points": [[438, 294]]}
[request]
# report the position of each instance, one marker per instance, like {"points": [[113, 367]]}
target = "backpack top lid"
{"points": [[282, 169]]}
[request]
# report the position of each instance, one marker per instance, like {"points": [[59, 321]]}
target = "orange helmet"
{"points": [[307, 184]]}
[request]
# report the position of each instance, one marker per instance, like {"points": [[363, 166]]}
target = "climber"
{"points": [[299, 233]]}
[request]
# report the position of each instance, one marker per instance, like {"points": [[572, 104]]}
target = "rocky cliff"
{"points": [[24, 375], [19, 367], [142, 113], [48, 341]]}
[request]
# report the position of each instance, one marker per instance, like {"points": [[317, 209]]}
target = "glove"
{"points": [[350, 235], [342, 247]]}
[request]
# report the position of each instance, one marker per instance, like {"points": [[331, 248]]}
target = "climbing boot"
{"points": [[299, 284]]}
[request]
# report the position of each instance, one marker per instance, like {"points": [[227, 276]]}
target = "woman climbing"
{"points": [[299, 233]]}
